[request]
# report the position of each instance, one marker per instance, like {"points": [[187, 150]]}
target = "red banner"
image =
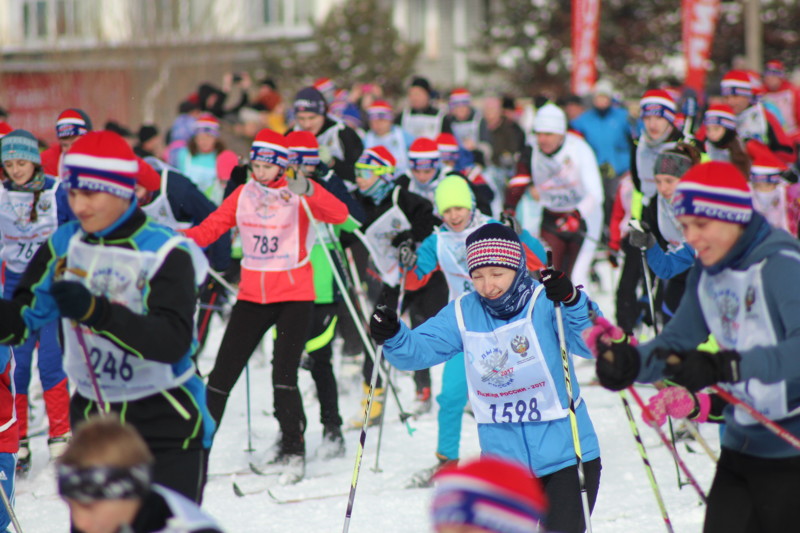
{"points": [[699, 24], [585, 24], [35, 99]]}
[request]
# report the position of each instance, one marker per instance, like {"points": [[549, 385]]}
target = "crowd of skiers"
{"points": [[443, 214]]}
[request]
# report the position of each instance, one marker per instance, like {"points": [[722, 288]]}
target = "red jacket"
{"points": [[281, 286], [50, 158], [9, 437]]}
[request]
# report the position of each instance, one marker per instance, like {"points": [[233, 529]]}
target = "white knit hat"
{"points": [[550, 119]]}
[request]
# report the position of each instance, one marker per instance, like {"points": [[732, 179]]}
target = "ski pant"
{"points": [[248, 323], [51, 372], [565, 245], [452, 400], [563, 492], [8, 465], [753, 494], [628, 309], [318, 348]]}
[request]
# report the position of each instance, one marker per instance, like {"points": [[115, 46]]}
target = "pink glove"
{"points": [[676, 402], [603, 332]]}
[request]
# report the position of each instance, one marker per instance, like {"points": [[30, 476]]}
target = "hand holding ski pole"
{"points": [[384, 324], [74, 301], [696, 370], [558, 287], [676, 402]]}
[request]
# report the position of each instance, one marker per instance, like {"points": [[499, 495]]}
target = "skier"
{"points": [[70, 124], [722, 143], [277, 286], [753, 120], [468, 126], [383, 132], [110, 276], [32, 207], [205, 160], [773, 197], [420, 118], [488, 495], [395, 221], [497, 327], [784, 95], [340, 145], [445, 249], [9, 434], [738, 292], [106, 477], [564, 179]]}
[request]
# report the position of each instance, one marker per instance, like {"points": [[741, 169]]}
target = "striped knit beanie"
{"points": [[448, 146], [766, 167], [721, 115], [206, 123], [303, 148], [737, 83], [102, 161], [423, 154], [491, 494], [494, 245], [775, 68], [715, 190], [20, 144], [270, 147], [380, 109], [72, 122], [658, 103], [459, 97]]}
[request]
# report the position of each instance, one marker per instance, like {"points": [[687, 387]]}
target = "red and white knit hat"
{"points": [[489, 493], [721, 115], [423, 154], [775, 68], [715, 190], [765, 166], [206, 123], [494, 244], [380, 109], [147, 177], [270, 147], [303, 148], [658, 103], [101, 161], [378, 156], [460, 97], [737, 83], [72, 122], [326, 87], [448, 145]]}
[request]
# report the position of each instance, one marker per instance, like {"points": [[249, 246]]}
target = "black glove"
{"points": [[510, 220], [558, 287], [383, 324], [617, 365], [76, 302], [696, 370], [644, 240], [408, 258], [402, 237]]}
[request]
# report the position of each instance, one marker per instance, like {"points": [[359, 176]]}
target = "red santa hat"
{"points": [[101, 161]]}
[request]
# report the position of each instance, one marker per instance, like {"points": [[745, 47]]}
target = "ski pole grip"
{"points": [[549, 259]]}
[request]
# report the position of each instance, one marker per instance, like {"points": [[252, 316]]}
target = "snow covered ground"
{"points": [[625, 503]]}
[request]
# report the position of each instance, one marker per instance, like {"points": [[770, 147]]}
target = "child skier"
{"points": [[738, 291], [111, 276], [773, 197], [32, 207], [106, 478], [522, 411], [445, 249], [71, 124], [277, 286]]}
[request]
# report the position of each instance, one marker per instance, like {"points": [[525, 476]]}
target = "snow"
{"points": [[625, 503]]}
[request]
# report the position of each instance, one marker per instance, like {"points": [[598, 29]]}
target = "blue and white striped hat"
{"points": [[270, 147]]}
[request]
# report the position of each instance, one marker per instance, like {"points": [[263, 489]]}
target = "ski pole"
{"points": [[7, 504], [668, 444], [249, 409], [700, 440], [351, 308], [771, 425], [635, 224], [573, 418], [646, 461], [361, 440], [222, 281], [400, 298]]}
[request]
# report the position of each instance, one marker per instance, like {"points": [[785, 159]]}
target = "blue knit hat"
{"points": [[311, 100], [20, 144]]}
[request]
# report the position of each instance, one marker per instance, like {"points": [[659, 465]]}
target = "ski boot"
{"points": [[294, 468], [24, 457], [375, 412], [424, 477], [422, 403], [332, 443]]}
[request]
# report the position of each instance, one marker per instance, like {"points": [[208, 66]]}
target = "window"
{"points": [[51, 19], [283, 12]]}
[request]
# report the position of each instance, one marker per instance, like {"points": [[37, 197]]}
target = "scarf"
{"points": [[754, 234], [378, 191], [35, 184], [515, 298]]}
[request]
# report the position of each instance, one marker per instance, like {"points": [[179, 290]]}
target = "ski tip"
{"points": [[237, 490]]}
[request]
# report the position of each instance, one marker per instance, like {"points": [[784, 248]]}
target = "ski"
{"points": [[301, 499]]}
